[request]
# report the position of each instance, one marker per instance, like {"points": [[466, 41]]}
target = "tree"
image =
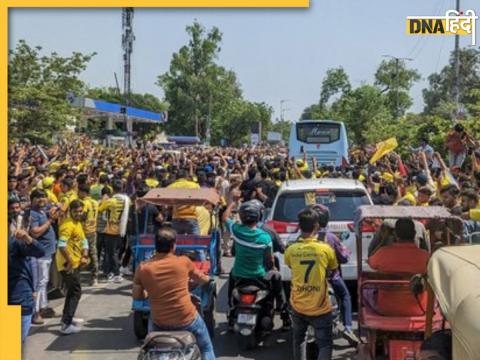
{"points": [[396, 80], [365, 114], [441, 85], [196, 88], [236, 119], [38, 87], [336, 82]]}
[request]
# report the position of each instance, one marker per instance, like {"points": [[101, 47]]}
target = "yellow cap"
{"points": [[475, 214], [361, 177], [151, 183], [47, 182]]}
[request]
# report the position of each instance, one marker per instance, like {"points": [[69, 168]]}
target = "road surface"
{"points": [[108, 331]]}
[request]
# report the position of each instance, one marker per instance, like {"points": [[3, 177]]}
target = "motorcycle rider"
{"points": [[252, 249], [335, 276], [309, 260], [164, 279]]}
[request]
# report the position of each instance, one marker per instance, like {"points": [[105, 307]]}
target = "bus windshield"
{"points": [[318, 133]]}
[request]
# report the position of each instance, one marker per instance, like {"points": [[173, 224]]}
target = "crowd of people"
{"points": [[72, 206]]}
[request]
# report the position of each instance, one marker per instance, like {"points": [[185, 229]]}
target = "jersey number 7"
{"points": [[310, 264]]}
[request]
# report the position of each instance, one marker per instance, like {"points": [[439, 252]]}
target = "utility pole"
{"points": [[397, 81], [127, 45], [456, 67], [282, 110]]}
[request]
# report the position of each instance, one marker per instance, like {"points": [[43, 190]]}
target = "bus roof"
{"points": [[323, 121]]}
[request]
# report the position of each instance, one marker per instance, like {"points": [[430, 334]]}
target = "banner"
{"points": [[383, 148]]}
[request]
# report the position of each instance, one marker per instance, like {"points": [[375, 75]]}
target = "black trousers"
{"points": [[125, 252], [74, 293], [113, 244]]}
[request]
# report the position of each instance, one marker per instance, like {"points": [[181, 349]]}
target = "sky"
{"points": [[277, 54]]}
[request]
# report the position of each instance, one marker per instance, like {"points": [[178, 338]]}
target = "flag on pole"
{"points": [[383, 148], [402, 169]]}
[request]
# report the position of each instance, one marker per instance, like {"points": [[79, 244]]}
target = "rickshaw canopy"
{"points": [[180, 197], [454, 275], [398, 212]]}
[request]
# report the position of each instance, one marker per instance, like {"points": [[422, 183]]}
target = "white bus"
{"points": [[326, 140]]}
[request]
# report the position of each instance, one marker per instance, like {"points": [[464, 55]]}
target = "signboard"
{"points": [[273, 136], [254, 139]]}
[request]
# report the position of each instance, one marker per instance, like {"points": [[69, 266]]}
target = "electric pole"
{"points": [[127, 45], [282, 110], [456, 67], [397, 81]]}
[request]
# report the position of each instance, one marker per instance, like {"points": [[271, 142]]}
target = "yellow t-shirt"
{"points": [[184, 212], [309, 260], [90, 208], [114, 207], [204, 220], [71, 233], [52, 198]]}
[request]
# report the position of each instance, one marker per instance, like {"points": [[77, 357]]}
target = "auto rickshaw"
{"points": [[397, 335], [454, 279], [202, 250]]}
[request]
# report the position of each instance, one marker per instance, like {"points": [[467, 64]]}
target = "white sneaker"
{"points": [[77, 321], [125, 271], [110, 277], [117, 279], [70, 329]]}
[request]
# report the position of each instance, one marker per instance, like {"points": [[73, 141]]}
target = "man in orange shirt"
{"points": [[403, 256], [165, 279]]}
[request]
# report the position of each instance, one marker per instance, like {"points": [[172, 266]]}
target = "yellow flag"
{"points": [[383, 148]]}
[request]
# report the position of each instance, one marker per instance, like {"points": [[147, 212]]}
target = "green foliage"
{"points": [[195, 86], [441, 85], [365, 114], [37, 87], [236, 119], [396, 80]]}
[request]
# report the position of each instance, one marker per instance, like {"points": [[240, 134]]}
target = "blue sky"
{"points": [[276, 53]]}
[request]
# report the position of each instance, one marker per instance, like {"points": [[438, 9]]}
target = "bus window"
{"points": [[318, 133]]}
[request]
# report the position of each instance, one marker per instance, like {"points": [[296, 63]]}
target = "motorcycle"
{"points": [[312, 349], [252, 313], [170, 345]]}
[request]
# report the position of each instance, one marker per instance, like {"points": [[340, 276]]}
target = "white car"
{"points": [[341, 196]]}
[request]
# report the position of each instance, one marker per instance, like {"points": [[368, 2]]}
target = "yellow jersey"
{"points": [[309, 260], [204, 220], [72, 237], [90, 209], [114, 207], [184, 212]]}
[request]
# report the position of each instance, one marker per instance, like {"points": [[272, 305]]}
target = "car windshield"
{"points": [[342, 204]]}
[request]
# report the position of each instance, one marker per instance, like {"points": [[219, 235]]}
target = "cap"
{"points": [[47, 182]]}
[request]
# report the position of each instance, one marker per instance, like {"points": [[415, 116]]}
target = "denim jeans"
{"points": [[323, 334], [197, 328], [341, 291], [26, 324], [456, 159], [43, 274], [186, 226]]}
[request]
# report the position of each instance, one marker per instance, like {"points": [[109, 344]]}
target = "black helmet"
{"points": [[323, 214], [251, 211]]}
